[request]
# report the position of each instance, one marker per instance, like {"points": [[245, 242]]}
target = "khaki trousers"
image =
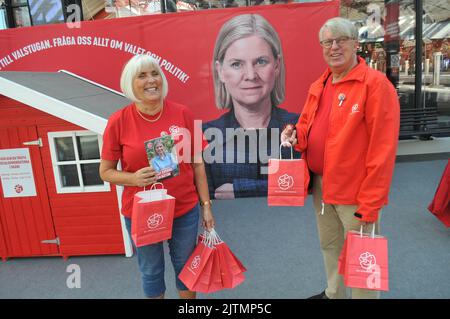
{"points": [[333, 225]]}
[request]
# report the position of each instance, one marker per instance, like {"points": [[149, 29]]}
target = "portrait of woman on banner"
{"points": [[249, 82]]}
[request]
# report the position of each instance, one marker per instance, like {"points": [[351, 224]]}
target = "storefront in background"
{"points": [[420, 71]]}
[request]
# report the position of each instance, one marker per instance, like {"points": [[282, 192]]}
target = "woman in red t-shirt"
{"points": [[149, 117]]}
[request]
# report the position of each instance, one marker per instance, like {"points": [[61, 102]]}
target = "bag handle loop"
{"points": [[288, 145], [154, 186], [157, 183], [211, 238], [372, 233]]}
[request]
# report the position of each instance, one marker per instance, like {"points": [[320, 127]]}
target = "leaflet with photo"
{"points": [[162, 156]]}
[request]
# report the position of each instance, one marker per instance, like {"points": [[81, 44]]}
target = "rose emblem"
{"points": [[174, 130], [155, 220], [367, 260], [285, 182], [195, 262]]}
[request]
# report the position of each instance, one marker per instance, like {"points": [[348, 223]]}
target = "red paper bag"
{"points": [[218, 270], [192, 270], [204, 276], [230, 271], [286, 182], [232, 257], [366, 264], [216, 283], [440, 206], [210, 279], [152, 217]]}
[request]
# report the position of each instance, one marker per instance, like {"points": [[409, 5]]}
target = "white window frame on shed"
{"points": [[60, 189]]}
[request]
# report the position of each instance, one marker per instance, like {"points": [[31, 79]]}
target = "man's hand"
{"points": [[289, 136]]}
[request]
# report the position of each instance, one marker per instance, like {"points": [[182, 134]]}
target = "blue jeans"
{"points": [[181, 246]]}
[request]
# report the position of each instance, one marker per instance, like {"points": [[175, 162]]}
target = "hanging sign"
{"points": [[16, 173]]}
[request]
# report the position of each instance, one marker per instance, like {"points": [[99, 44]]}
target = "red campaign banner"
{"points": [[392, 27], [182, 42], [277, 64]]}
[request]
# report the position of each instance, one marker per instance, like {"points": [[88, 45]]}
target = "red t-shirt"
{"points": [[319, 130], [124, 139]]}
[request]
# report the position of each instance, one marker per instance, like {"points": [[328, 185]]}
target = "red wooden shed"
{"points": [[52, 200]]}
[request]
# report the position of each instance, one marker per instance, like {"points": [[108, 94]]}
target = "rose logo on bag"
{"points": [[195, 262], [155, 220], [285, 182], [367, 261]]}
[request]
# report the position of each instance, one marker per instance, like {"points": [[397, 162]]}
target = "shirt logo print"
{"points": [[174, 130], [355, 108]]}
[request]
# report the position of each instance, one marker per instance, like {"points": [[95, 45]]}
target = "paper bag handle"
{"points": [[289, 145], [373, 231], [211, 238], [154, 186]]}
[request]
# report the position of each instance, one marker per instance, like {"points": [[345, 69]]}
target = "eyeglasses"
{"points": [[329, 43]]}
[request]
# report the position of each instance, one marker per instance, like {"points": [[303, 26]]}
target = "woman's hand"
{"points": [[289, 136], [144, 177], [207, 218]]}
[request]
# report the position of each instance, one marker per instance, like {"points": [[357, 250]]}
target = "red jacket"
{"points": [[362, 139]]}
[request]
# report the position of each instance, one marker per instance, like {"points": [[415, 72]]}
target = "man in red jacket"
{"points": [[348, 134]]}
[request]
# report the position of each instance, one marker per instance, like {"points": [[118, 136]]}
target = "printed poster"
{"points": [[16, 173]]}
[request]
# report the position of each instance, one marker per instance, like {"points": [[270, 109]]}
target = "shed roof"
{"points": [[64, 95]]}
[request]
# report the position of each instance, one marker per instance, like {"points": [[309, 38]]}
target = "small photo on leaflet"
{"points": [[162, 156]]}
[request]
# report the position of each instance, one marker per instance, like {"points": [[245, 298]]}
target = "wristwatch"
{"points": [[206, 203]]}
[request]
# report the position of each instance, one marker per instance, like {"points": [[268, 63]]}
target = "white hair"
{"points": [[131, 70], [339, 27]]}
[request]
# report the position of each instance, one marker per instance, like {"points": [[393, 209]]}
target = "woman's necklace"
{"points": [[148, 120]]}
